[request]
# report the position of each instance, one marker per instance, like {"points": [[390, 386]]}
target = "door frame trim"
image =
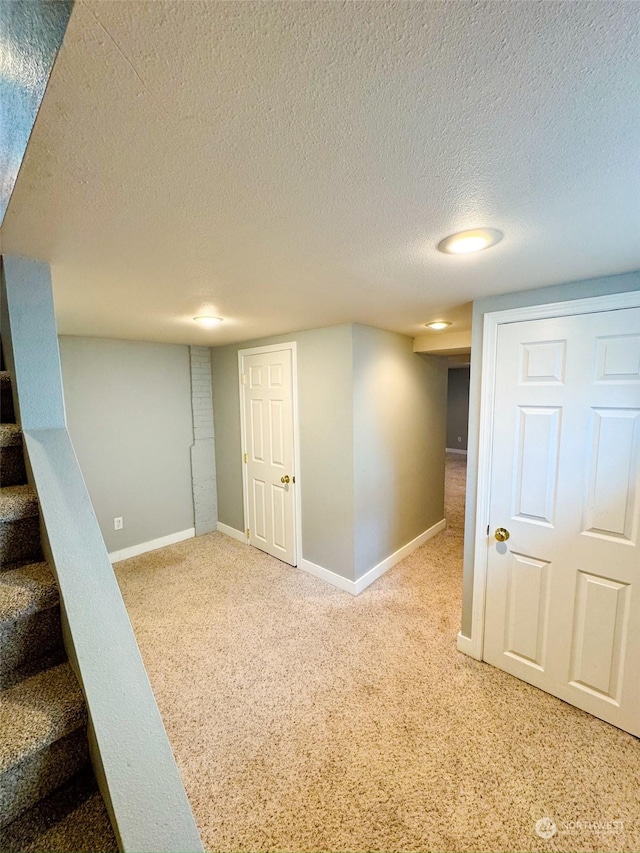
{"points": [[297, 497], [492, 321]]}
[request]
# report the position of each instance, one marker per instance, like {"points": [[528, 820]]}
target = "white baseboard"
{"points": [[328, 576], [356, 587], [374, 573], [455, 450], [232, 532], [465, 645], [152, 545]]}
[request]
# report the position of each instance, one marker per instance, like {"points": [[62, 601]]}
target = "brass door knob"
{"points": [[502, 534], [285, 479]]}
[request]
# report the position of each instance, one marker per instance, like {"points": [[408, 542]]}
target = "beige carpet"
{"points": [[304, 719]]}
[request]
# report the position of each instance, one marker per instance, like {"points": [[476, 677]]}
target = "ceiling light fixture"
{"points": [[437, 325], [209, 322], [466, 242]]}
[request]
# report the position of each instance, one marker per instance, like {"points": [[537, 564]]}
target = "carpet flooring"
{"points": [[304, 719]]}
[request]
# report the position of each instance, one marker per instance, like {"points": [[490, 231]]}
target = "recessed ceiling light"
{"points": [[437, 325], [470, 241], [209, 322]]}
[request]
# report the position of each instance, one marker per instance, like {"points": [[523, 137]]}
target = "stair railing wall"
{"points": [[133, 761]]}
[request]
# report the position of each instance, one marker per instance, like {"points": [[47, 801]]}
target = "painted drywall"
{"points": [[399, 399], [458, 407], [228, 450], [129, 415], [372, 435], [39, 366], [325, 396], [560, 293]]}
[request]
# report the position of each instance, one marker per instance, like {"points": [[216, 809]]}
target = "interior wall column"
{"points": [[203, 460]]}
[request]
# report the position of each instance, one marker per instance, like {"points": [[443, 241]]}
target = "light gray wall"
{"points": [[129, 415], [326, 441], [399, 403], [458, 407], [326, 447], [226, 420], [560, 293], [372, 430]]}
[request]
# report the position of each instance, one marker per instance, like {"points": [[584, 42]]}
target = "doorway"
{"points": [[269, 430], [457, 408], [558, 562]]}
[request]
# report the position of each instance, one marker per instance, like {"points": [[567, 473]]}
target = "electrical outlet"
{"points": [[117, 523], [459, 439]]}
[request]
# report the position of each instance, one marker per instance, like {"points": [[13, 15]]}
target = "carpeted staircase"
{"points": [[48, 795]]}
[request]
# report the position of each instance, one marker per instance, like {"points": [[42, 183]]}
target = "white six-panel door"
{"points": [[563, 592], [267, 401]]}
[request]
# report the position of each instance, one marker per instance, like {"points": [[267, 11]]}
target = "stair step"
{"points": [[12, 467], [17, 502], [13, 471], [7, 414], [25, 590], [44, 743], [19, 526], [39, 711], [30, 627], [33, 666], [10, 435], [72, 818]]}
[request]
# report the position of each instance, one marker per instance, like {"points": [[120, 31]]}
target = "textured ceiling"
{"points": [[30, 35], [290, 165]]}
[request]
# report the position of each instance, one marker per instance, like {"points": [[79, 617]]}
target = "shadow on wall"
{"points": [[458, 408], [398, 443]]}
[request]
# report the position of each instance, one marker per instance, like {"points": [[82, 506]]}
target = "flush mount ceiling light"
{"points": [[209, 322], [466, 242], [437, 325]]}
